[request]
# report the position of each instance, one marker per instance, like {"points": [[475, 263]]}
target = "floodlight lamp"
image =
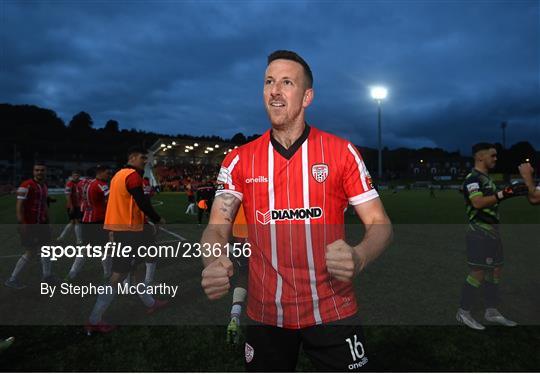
{"points": [[379, 93]]}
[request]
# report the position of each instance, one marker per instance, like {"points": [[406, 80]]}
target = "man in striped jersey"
{"points": [[94, 203], [294, 183], [33, 219]]}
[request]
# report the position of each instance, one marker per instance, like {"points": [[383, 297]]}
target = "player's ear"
{"points": [[308, 97]]}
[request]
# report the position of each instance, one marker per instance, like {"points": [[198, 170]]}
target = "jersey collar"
{"points": [[289, 152]]}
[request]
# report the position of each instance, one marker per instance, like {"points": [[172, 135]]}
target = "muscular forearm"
{"points": [[213, 235], [377, 237], [482, 202], [534, 196], [219, 228]]}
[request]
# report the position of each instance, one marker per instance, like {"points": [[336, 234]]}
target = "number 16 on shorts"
{"points": [[357, 352]]}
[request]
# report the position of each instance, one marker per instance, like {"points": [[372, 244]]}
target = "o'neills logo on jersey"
{"points": [[319, 172], [259, 179], [289, 214]]}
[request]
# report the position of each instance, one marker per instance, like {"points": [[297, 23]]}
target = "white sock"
{"points": [[102, 303], [18, 267], [76, 267], [107, 266], [150, 271], [127, 280], [65, 231], [46, 267], [78, 233], [147, 299]]}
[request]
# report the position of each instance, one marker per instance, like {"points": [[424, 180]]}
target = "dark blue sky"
{"points": [[454, 69]]}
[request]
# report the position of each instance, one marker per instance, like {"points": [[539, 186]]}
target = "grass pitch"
{"points": [[408, 299]]}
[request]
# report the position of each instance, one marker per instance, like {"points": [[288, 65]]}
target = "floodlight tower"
{"points": [[379, 94]]}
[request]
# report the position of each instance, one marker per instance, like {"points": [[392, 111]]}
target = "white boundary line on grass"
{"points": [[157, 202], [172, 233]]}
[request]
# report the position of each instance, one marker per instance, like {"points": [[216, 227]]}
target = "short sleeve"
{"points": [[230, 179], [356, 179], [104, 189], [69, 188], [22, 191], [472, 187], [134, 180]]}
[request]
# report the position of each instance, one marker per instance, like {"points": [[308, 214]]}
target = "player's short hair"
{"points": [[40, 163], [76, 172], [293, 56], [481, 147], [99, 168], [134, 150]]}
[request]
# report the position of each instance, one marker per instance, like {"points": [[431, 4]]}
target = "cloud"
{"points": [[454, 70]]}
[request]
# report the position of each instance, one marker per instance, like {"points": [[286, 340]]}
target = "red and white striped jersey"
{"points": [[294, 201], [34, 196], [73, 192], [95, 194]]}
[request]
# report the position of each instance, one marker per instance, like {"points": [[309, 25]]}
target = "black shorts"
{"points": [[336, 347], [33, 236], [94, 234], [484, 251], [134, 239], [76, 213]]}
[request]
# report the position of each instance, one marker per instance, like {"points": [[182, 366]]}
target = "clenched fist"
{"points": [[215, 278], [526, 170], [342, 261]]}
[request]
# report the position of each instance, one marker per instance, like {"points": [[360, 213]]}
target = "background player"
{"points": [[95, 193], [484, 247], [125, 218], [150, 234], [33, 219], [294, 190], [205, 198], [527, 171], [241, 271], [73, 192]]}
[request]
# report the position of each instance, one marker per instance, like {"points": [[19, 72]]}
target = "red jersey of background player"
{"points": [[35, 196], [95, 193], [294, 201], [73, 192]]}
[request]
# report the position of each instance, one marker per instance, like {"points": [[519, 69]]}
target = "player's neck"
{"points": [[481, 168], [287, 135]]}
